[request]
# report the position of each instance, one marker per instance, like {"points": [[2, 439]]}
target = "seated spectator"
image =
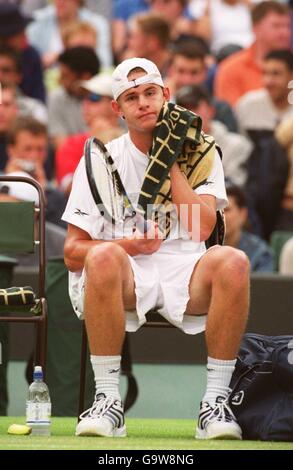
{"points": [[45, 33], [12, 33], [174, 11], [188, 66], [284, 136], [149, 37], [242, 71], [286, 258], [265, 108], [223, 22], [11, 73], [11, 191], [100, 120], [8, 114], [236, 148], [258, 251], [123, 10], [27, 150], [65, 113], [79, 33]]}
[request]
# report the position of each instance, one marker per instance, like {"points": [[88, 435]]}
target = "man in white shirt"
{"points": [[137, 272], [265, 108]]}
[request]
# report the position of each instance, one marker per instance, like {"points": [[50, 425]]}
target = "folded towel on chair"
{"points": [[17, 296]]}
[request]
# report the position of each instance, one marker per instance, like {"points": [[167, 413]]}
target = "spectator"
{"points": [[55, 235], [265, 108], [79, 33], [286, 258], [174, 11], [188, 67], [242, 71], [45, 32], [65, 113], [27, 150], [258, 251], [8, 115], [101, 122], [123, 10], [12, 33], [284, 136], [149, 37], [223, 22], [11, 73]]}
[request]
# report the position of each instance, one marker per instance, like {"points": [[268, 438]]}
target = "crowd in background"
{"points": [[230, 61]]}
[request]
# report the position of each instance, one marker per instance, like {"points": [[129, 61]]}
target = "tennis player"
{"points": [[116, 277]]}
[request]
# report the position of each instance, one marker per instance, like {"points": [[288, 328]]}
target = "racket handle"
{"points": [[142, 224], [145, 226]]}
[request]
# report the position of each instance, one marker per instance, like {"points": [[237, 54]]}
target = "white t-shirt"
{"points": [[230, 24], [152, 273], [255, 110]]}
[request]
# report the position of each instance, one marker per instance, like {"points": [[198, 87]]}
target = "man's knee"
{"points": [[231, 264], [104, 260], [234, 265]]}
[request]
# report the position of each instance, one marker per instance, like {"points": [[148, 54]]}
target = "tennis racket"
{"points": [[106, 186]]}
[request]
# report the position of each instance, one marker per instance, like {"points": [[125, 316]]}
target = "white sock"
{"points": [[219, 373], [106, 371]]}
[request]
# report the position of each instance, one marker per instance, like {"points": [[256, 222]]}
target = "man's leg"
{"points": [[220, 286], [109, 289]]}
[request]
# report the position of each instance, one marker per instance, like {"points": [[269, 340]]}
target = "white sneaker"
{"points": [[217, 421], [105, 418]]}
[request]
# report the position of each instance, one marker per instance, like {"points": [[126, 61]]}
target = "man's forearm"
{"points": [[185, 198], [76, 252]]}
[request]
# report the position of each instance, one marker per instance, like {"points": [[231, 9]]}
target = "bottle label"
{"points": [[38, 412]]}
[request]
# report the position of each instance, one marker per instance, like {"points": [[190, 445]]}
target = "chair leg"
{"points": [[82, 378], [41, 340]]}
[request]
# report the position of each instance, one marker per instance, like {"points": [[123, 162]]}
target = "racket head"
{"points": [[104, 181]]}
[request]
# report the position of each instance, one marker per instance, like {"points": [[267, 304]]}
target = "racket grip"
{"points": [[142, 224], [145, 226]]}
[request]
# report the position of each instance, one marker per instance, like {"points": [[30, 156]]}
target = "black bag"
{"points": [[262, 388]]}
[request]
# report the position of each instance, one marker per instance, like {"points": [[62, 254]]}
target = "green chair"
{"points": [[277, 241], [66, 333], [23, 232], [6, 272]]}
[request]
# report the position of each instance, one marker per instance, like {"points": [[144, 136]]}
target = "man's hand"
{"points": [[149, 242]]}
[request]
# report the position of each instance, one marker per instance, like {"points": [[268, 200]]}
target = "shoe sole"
{"points": [[119, 432], [201, 434]]}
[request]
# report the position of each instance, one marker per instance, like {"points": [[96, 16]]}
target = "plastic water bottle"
{"points": [[38, 405]]}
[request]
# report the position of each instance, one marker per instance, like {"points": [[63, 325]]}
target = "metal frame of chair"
{"points": [[40, 320]]}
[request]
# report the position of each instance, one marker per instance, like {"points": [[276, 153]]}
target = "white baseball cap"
{"points": [[100, 84], [20, 190], [120, 82]]}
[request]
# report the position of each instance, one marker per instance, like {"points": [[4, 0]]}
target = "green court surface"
{"points": [[148, 434]]}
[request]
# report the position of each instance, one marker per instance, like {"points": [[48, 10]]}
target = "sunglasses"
{"points": [[93, 97]]}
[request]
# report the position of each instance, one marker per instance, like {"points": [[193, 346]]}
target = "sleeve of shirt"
{"points": [[81, 209], [215, 184]]}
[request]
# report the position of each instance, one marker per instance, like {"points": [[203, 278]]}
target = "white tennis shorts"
{"points": [[161, 283]]}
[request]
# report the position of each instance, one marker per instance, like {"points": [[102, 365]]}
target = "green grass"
{"points": [[142, 434]]}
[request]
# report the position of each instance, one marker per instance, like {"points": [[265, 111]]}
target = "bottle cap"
{"points": [[38, 373]]}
